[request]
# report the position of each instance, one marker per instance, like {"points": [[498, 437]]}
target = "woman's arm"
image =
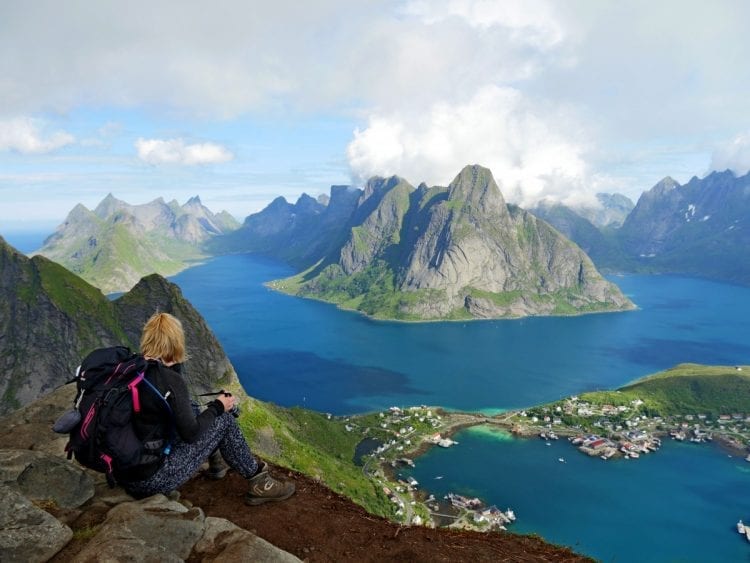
{"points": [[190, 427]]}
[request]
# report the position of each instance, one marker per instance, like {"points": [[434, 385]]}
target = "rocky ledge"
{"points": [[46, 498]]}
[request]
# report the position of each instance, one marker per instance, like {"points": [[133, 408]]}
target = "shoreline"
{"points": [[465, 420], [271, 285]]}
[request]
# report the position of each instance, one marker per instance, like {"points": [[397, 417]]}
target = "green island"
{"points": [[360, 455]]}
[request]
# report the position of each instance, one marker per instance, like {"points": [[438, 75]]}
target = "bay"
{"points": [[679, 504], [302, 352]]}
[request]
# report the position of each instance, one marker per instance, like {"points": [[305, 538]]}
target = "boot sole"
{"points": [[255, 501]]}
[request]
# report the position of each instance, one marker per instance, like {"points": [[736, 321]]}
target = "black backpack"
{"points": [[102, 434]]}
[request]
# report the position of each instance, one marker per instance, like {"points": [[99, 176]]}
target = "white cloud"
{"points": [[27, 136], [532, 22], [534, 151], [734, 155], [175, 151], [254, 56]]}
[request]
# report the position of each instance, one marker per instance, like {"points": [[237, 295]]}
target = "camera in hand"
{"points": [[235, 410]]}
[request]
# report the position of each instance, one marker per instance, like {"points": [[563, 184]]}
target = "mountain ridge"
{"points": [[696, 229], [116, 244], [455, 252]]}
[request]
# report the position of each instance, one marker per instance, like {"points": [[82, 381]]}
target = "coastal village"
{"points": [[397, 437], [622, 429], [628, 430]]}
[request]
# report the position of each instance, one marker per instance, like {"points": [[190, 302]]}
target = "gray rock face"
{"points": [[154, 528], [27, 533], [208, 367], [222, 542], [45, 477], [378, 222], [49, 319]]}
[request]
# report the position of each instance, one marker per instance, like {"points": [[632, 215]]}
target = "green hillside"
{"points": [[685, 389], [310, 443]]}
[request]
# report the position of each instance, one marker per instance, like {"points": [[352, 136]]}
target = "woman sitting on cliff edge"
{"points": [[163, 345]]}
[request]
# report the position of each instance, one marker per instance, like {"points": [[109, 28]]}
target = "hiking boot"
{"points": [[217, 468], [264, 488]]}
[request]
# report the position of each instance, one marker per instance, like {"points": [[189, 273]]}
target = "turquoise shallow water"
{"points": [[678, 505]]}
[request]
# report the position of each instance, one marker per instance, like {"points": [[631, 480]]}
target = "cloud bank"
{"points": [[28, 136], [559, 99], [734, 155], [176, 151], [534, 152]]}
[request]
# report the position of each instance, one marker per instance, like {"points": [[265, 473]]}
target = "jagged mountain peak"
{"points": [[378, 185], [665, 185], [109, 205], [80, 211], [278, 202], [722, 174], [453, 252], [476, 186], [308, 204], [195, 200]]}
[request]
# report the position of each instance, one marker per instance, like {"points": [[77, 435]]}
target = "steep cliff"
{"points": [[50, 318], [208, 367]]}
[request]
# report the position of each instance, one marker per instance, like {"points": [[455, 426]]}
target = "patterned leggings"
{"points": [[185, 459]]}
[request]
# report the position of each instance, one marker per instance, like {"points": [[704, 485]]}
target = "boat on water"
{"points": [[747, 533], [747, 458], [439, 477], [740, 527], [548, 444], [561, 459]]}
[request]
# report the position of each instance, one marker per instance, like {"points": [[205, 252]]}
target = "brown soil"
{"points": [[318, 525]]}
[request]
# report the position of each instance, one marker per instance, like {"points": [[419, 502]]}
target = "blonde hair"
{"points": [[163, 339]]}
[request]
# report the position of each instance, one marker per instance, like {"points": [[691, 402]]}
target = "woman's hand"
{"points": [[227, 400]]}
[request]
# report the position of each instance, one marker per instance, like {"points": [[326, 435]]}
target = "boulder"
{"points": [[152, 529], [30, 428], [225, 542], [44, 477], [27, 533]]}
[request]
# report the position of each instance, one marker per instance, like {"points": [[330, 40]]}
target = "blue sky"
{"points": [[241, 101]]}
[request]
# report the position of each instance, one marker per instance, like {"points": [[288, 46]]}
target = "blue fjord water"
{"points": [[680, 504]]}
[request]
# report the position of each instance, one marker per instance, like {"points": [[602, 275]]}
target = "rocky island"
{"points": [[456, 252]]}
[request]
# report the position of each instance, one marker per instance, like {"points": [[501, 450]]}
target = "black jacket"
{"points": [[155, 424]]}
